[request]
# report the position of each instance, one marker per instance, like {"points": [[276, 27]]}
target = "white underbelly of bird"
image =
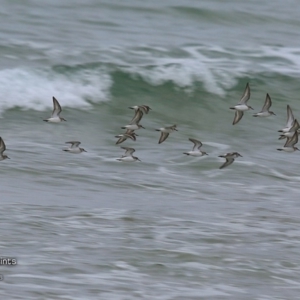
{"points": [[262, 114], [54, 120], [194, 153], [242, 107], [288, 149], [131, 127], [127, 159], [75, 150]]}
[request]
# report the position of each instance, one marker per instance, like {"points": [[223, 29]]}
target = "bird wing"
{"points": [[290, 117], [121, 139], [128, 151], [74, 144], [229, 161], [295, 126], [163, 137], [137, 117], [290, 142], [267, 104], [56, 108], [246, 95], [131, 136], [238, 115], [197, 144]]}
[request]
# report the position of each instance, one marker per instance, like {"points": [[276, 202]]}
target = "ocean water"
{"points": [[171, 226]]}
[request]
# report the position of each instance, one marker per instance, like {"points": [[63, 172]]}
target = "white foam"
{"points": [[287, 60], [218, 69], [182, 71], [33, 89]]}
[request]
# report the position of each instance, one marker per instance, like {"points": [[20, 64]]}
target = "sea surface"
{"points": [[170, 227]]}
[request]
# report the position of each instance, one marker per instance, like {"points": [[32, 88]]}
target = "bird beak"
{"points": [[175, 129], [143, 127], [84, 150], [130, 107]]}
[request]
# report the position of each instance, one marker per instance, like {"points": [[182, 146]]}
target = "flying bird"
{"points": [[128, 157], [55, 118], [196, 149], [290, 143], [129, 134], [242, 105], [265, 110], [74, 148], [165, 131], [229, 158]]}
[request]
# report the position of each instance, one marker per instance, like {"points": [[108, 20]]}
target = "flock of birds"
{"points": [[289, 132]]}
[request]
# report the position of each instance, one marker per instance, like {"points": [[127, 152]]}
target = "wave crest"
{"points": [[33, 89]]}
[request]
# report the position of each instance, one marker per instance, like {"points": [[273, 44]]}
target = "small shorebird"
{"points": [[242, 105], [134, 123], [55, 118], [74, 147], [128, 157], [129, 134], [290, 120], [295, 127], [229, 158], [265, 110], [2, 149], [289, 146], [165, 131], [196, 149], [144, 108]]}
